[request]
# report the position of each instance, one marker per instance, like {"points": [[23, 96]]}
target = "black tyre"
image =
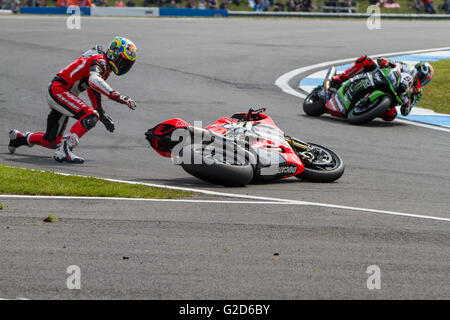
{"points": [[326, 166], [228, 171], [361, 115], [313, 104]]}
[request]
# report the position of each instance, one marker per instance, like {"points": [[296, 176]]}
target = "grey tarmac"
{"points": [[202, 69]]}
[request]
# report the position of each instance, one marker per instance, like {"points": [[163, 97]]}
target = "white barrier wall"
{"points": [[125, 11]]}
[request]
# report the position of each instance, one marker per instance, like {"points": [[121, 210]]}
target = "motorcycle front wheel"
{"points": [[366, 113], [325, 165]]}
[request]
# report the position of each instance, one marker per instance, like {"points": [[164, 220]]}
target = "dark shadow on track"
{"points": [[374, 123], [39, 160], [197, 183]]}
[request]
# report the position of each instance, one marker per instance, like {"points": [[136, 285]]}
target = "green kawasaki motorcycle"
{"points": [[360, 99]]}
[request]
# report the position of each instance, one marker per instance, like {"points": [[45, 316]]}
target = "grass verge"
{"points": [[32, 182], [1, 206], [436, 95]]}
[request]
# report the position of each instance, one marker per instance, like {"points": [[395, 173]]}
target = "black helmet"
{"points": [[425, 73]]}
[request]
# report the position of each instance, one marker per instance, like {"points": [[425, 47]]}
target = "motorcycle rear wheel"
{"points": [[313, 104], [213, 169]]}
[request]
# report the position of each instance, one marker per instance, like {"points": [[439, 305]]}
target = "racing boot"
{"points": [[389, 115], [18, 139], [64, 151], [363, 63]]}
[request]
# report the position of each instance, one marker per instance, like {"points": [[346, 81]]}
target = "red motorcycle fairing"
{"points": [[333, 108], [273, 140]]}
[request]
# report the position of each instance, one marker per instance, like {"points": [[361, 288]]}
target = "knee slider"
{"points": [[89, 121]]}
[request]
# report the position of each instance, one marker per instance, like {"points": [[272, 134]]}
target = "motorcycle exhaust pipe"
{"points": [[328, 78]]}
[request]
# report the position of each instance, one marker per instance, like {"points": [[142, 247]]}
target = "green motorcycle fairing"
{"points": [[383, 78]]}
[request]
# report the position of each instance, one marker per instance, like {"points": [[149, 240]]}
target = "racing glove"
{"points": [[107, 122], [116, 96], [406, 105]]}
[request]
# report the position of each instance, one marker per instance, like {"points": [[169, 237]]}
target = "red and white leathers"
{"points": [[411, 94], [88, 72]]}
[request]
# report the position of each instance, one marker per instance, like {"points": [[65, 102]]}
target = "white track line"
{"points": [[283, 81], [12, 196], [269, 199]]}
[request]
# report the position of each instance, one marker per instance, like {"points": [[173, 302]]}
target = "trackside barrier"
{"points": [[85, 11], [337, 15], [5, 12], [125, 12], [180, 12]]}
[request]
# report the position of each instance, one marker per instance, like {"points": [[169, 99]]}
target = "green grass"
{"points": [[1, 206], [51, 219], [31, 182], [436, 95]]}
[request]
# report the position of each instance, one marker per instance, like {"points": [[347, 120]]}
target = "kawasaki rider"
{"points": [[413, 79]]}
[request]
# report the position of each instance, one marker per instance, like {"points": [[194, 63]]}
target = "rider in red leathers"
{"points": [[88, 72], [414, 78]]}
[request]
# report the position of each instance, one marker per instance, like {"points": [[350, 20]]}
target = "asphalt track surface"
{"points": [[202, 69]]}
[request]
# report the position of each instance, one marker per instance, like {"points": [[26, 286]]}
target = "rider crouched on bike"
{"points": [[413, 79], [89, 72]]}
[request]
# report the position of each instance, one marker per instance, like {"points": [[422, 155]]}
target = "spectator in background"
{"points": [[131, 3], [445, 7], [148, 3], [40, 3], [100, 3], [307, 5], [265, 5], [223, 5], [257, 6], [278, 6], [63, 3], [173, 4], [293, 5], [415, 4], [82, 3], [428, 5], [12, 5], [190, 4], [119, 3], [212, 4], [202, 4]]}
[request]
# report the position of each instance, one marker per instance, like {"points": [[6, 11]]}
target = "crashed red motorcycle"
{"points": [[246, 147]]}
